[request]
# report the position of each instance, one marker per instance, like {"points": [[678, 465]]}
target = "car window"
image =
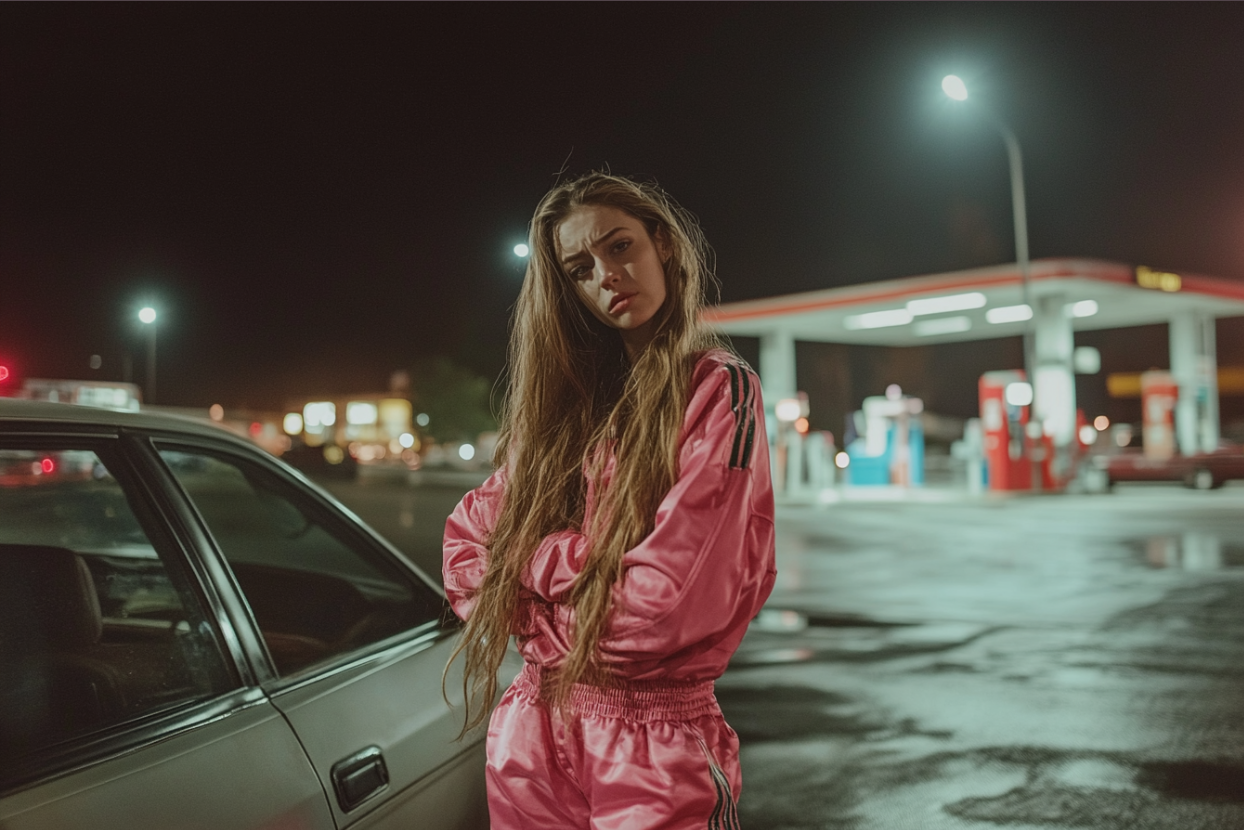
{"points": [[98, 622], [316, 589]]}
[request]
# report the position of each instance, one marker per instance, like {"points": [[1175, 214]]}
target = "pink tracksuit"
{"points": [[652, 749]]}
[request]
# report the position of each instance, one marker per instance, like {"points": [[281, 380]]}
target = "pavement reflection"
{"points": [[1039, 662]]}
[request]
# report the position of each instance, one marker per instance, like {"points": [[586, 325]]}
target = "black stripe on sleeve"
{"points": [[746, 425], [738, 405], [734, 387]]}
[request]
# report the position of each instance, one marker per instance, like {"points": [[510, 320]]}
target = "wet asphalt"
{"points": [[955, 662]]}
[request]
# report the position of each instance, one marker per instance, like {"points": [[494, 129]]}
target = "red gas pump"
{"points": [[1158, 395], [1003, 425]]}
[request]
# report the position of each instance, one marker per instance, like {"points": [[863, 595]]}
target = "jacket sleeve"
{"points": [[465, 551], [552, 569], [700, 568]]}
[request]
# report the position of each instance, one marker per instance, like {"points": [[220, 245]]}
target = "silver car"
{"points": [[192, 635]]}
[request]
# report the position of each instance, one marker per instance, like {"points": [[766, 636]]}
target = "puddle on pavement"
{"points": [[785, 621], [782, 713], [860, 640], [1221, 782], [1192, 551], [1083, 789]]}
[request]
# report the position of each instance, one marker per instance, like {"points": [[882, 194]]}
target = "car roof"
{"points": [[65, 415]]}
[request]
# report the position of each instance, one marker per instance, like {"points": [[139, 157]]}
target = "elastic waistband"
{"points": [[633, 700]]}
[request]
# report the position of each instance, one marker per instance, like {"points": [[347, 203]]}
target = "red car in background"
{"points": [[1203, 471]]}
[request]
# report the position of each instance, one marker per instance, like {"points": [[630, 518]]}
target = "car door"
{"points": [[354, 639], [125, 700]]}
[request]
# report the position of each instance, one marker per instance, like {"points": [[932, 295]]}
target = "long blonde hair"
{"points": [[571, 390]]}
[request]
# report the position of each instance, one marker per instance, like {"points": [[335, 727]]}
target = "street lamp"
{"points": [[957, 90], [522, 251], [147, 316]]}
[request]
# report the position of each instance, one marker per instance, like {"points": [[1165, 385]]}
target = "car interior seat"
{"points": [[52, 685]]}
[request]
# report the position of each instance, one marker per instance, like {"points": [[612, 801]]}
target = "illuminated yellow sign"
{"points": [[1157, 280]]}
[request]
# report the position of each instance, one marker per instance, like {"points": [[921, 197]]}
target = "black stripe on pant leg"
{"points": [[714, 821], [731, 815]]}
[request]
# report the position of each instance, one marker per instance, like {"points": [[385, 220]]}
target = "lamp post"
{"points": [[957, 90], [147, 316]]}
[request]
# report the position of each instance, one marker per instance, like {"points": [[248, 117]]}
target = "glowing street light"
{"points": [[522, 251], [954, 86], [147, 316]]}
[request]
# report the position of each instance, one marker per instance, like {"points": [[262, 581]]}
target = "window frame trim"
{"points": [[324, 506]]}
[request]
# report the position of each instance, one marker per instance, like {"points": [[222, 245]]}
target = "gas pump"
{"points": [[890, 446], [1004, 424], [1158, 395]]}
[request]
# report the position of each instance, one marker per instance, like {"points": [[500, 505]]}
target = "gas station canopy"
{"points": [[906, 312], [1064, 296]]}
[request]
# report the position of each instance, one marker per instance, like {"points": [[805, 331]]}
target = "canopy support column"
{"points": [[777, 366], [1194, 365], [1054, 387]]}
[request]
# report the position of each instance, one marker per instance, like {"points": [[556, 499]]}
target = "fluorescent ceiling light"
{"points": [[879, 319], [952, 302], [1009, 313], [942, 325], [1084, 308]]}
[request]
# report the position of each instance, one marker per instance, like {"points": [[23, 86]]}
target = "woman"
{"points": [[626, 540]]}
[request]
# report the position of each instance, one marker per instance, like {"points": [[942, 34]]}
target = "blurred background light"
{"points": [[1086, 360], [1009, 313], [147, 314], [954, 86], [1101, 422], [1084, 308], [361, 413], [941, 325], [953, 302], [319, 414], [1019, 393], [521, 250], [788, 410], [466, 452], [292, 423], [879, 319]]}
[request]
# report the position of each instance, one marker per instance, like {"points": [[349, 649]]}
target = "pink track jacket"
{"points": [[691, 586]]}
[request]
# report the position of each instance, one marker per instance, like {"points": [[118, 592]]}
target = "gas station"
{"points": [[1064, 296]]}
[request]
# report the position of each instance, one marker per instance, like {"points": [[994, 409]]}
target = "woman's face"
{"points": [[618, 268]]}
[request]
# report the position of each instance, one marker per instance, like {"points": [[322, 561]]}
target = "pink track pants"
{"points": [[643, 756]]}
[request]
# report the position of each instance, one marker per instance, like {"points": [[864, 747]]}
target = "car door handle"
{"points": [[359, 777]]}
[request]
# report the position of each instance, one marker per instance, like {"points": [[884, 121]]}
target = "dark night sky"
{"points": [[316, 195]]}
